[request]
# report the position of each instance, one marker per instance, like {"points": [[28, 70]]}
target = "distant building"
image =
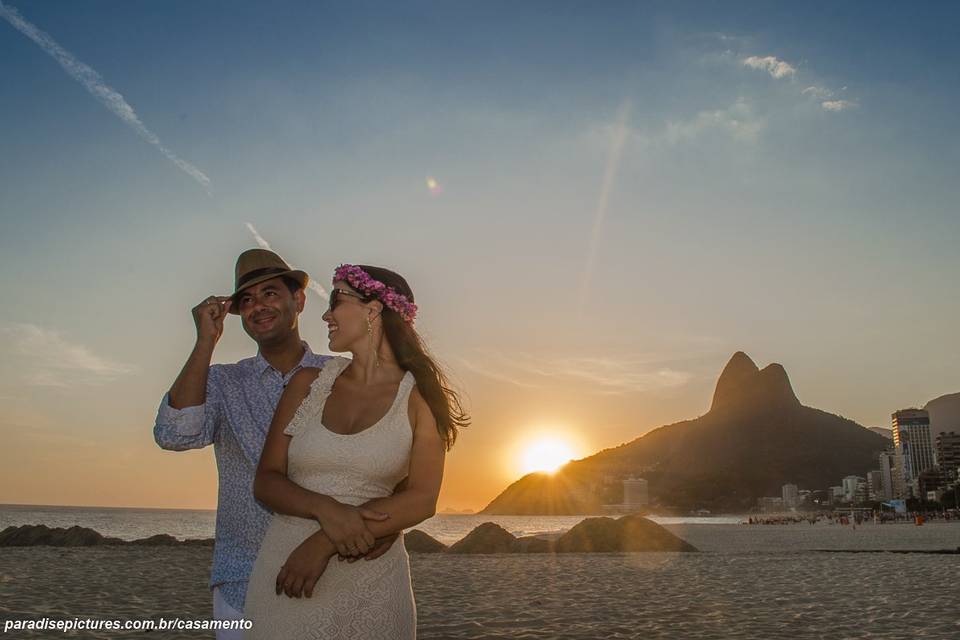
{"points": [[888, 466], [948, 454], [914, 448], [819, 497], [836, 494], [770, 505], [929, 483], [875, 491], [850, 484], [790, 496], [635, 492]]}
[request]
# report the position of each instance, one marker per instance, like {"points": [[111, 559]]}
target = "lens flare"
{"points": [[433, 186]]}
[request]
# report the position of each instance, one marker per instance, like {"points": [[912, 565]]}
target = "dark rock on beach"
{"points": [[642, 534], [487, 538], [166, 540], [629, 533], [593, 535], [42, 535], [33, 535], [417, 541]]}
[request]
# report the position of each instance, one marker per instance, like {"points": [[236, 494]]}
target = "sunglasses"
{"points": [[337, 294]]}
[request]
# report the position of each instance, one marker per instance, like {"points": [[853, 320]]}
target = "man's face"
{"points": [[269, 311]]}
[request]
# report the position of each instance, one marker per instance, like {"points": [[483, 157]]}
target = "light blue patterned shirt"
{"points": [[235, 418]]}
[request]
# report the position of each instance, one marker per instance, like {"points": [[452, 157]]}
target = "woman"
{"points": [[341, 440]]}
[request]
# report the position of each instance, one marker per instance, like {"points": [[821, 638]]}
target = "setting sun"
{"points": [[548, 454]]}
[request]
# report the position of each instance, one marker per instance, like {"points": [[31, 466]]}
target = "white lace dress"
{"points": [[359, 600]]}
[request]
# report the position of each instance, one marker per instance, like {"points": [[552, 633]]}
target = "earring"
{"points": [[376, 354]]}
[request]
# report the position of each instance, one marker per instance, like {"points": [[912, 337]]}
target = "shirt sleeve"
{"points": [[190, 427]]}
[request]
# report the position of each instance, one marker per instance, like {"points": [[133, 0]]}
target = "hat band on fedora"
{"points": [[257, 273]]}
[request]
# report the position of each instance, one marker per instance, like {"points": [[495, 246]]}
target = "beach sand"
{"points": [[750, 582]]}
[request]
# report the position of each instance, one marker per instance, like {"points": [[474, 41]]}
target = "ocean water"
{"points": [[721, 533], [126, 524], [130, 524]]}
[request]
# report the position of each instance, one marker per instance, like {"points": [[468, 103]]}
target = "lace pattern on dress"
{"points": [[313, 401]]}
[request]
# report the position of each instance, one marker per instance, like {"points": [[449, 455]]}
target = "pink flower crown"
{"points": [[371, 288]]}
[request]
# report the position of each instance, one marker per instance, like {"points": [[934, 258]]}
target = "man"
{"points": [[231, 406]]}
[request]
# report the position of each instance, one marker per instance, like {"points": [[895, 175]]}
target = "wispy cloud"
{"points": [[817, 92], [738, 120], [780, 69], [94, 83], [43, 357], [774, 66], [263, 244], [838, 105], [824, 95], [605, 375]]}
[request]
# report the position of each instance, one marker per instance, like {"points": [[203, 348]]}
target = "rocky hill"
{"points": [[756, 437]]}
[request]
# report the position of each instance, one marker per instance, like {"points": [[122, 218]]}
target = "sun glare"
{"points": [[547, 454]]}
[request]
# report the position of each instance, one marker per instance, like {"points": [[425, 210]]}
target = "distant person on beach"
{"points": [[231, 406], [343, 435]]}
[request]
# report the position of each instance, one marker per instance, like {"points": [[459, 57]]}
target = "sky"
{"points": [[596, 205]]}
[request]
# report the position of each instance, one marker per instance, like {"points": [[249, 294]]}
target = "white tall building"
{"points": [[914, 447], [875, 486], [635, 492], [850, 487], [888, 466], [791, 496]]}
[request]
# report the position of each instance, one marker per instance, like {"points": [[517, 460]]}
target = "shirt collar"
{"points": [[261, 365]]}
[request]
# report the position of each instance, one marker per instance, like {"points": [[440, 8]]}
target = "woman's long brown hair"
{"points": [[413, 355]]}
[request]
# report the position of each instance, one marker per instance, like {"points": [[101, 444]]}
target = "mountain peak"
{"points": [[739, 369], [741, 381], [760, 438], [741, 359], [773, 383]]}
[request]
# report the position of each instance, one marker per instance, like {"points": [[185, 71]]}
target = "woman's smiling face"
{"points": [[347, 320]]}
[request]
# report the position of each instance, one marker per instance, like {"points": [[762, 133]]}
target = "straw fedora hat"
{"points": [[258, 265]]}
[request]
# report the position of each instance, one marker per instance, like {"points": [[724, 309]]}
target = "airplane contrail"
{"points": [[620, 133], [263, 244], [94, 83]]}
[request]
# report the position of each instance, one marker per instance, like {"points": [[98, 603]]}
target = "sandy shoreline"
{"points": [[740, 587]]}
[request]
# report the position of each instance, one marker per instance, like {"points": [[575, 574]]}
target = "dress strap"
{"points": [[320, 388], [408, 382], [402, 402]]}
